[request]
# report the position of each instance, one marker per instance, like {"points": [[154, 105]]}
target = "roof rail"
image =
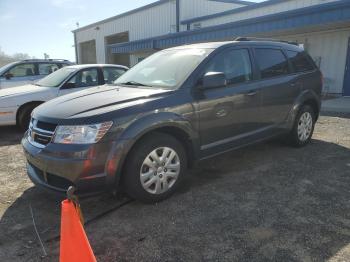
{"points": [[240, 38], [53, 59], [50, 59]]}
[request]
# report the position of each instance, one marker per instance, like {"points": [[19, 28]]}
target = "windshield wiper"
{"points": [[133, 83]]}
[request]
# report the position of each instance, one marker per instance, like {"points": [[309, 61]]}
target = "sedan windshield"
{"points": [[56, 78], [165, 69]]}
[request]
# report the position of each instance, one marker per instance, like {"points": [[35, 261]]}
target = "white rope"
{"points": [[36, 231]]}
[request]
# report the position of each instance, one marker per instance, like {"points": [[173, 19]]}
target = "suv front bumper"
{"points": [[90, 168]]}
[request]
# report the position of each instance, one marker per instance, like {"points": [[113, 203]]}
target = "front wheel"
{"points": [[24, 117], [155, 168], [303, 126]]}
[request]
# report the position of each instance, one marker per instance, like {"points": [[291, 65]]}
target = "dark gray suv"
{"points": [[176, 107]]}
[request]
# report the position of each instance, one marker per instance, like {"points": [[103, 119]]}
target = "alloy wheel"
{"points": [[305, 126]]}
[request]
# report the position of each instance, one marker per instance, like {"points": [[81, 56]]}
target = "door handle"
{"points": [[221, 113], [251, 93]]}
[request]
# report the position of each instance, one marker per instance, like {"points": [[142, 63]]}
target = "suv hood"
{"points": [[22, 90], [94, 101]]}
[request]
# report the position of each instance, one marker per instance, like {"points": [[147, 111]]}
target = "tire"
{"points": [[303, 127], [156, 171], [24, 117]]}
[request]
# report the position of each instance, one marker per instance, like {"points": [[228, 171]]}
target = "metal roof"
{"points": [[298, 18], [159, 2], [233, 11], [239, 2]]}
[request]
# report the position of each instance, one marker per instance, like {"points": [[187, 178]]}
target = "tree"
{"points": [[6, 59]]}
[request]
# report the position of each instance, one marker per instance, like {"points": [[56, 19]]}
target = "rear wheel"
{"points": [[24, 116], [303, 126], [155, 168]]}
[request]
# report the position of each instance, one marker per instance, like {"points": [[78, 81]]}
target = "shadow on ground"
{"points": [[10, 135], [336, 114], [267, 202]]}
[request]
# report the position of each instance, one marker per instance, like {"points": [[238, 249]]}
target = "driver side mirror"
{"points": [[68, 85], [8, 76], [212, 80]]}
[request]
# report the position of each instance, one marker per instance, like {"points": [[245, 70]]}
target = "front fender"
{"points": [[149, 123], [153, 121]]}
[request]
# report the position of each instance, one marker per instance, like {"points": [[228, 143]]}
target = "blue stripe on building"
{"points": [[322, 14]]}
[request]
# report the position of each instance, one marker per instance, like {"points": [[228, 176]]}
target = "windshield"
{"points": [[165, 69], [56, 78]]}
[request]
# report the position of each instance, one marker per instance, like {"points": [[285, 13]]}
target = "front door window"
{"points": [[235, 64], [22, 70], [85, 78]]}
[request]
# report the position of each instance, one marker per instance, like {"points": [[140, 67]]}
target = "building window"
{"points": [[172, 29], [197, 26]]}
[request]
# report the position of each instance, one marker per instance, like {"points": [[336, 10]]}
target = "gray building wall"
{"points": [[328, 46]]}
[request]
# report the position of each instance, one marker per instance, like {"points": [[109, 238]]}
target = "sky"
{"points": [[36, 27]]}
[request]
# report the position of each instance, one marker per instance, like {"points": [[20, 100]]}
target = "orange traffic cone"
{"points": [[74, 245]]}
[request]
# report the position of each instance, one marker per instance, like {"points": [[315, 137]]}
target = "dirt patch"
{"points": [[267, 202]]}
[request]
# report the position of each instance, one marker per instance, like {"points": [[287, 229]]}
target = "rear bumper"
{"points": [[90, 168]]}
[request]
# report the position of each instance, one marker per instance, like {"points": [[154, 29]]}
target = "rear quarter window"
{"points": [[110, 74], [300, 61], [60, 65], [271, 62]]}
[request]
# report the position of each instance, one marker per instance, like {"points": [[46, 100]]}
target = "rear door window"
{"points": [[300, 61], [110, 74], [234, 63], [271, 62], [47, 68], [27, 69]]}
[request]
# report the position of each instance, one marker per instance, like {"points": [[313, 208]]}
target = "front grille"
{"points": [[46, 126], [40, 133], [51, 179], [58, 181], [41, 139]]}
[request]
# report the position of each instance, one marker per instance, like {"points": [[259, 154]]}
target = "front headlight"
{"points": [[87, 134]]}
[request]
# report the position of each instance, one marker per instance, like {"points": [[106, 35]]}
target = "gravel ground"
{"points": [[267, 202]]}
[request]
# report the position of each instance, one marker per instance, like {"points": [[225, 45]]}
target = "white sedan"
{"points": [[16, 104]]}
